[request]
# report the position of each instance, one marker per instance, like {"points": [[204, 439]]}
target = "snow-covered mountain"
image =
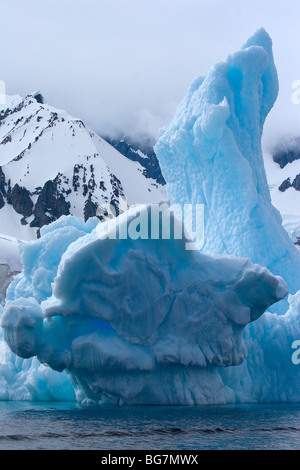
{"points": [[282, 163], [52, 164]]}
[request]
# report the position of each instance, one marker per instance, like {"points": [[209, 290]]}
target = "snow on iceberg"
{"points": [[211, 154], [135, 319]]}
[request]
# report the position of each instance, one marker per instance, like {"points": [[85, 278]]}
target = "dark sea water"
{"points": [[69, 426]]}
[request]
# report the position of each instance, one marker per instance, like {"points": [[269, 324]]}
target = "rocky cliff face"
{"points": [[141, 152], [285, 153]]}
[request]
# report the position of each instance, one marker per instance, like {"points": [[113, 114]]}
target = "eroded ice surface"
{"points": [[135, 320], [211, 154]]}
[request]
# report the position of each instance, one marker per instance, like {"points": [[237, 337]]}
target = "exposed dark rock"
{"points": [[84, 175], [51, 121], [285, 185], [80, 174], [8, 192], [92, 184], [129, 149], [296, 183], [20, 156], [50, 205], [116, 186], [21, 201], [2, 203], [39, 98], [285, 157], [2, 183], [6, 140], [287, 152], [81, 123], [117, 191], [85, 189], [4, 114], [102, 186], [76, 178], [90, 209]]}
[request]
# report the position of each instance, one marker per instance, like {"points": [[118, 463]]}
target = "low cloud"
{"points": [[124, 65]]}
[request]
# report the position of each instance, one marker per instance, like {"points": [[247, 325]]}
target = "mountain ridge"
{"points": [[52, 164]]}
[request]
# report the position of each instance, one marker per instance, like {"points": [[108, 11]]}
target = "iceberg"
{"points": [[26, 379], [105, 311], [211, 154], [269, 374], [134, 320]]}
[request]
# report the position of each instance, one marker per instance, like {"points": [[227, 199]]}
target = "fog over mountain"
{"points": [[122, 66]]}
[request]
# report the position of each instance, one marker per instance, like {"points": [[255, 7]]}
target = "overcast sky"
{"points": [[124, 65]]}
